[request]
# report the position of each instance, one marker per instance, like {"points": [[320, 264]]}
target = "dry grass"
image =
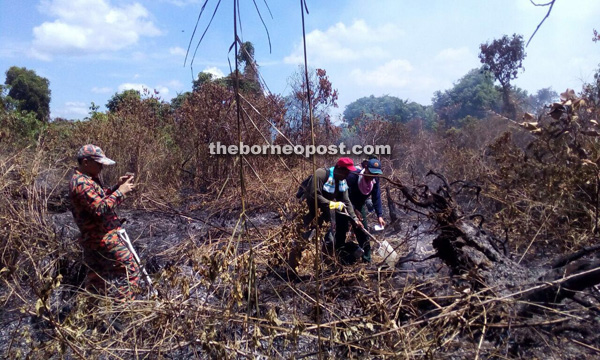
{"points": [[222, 296], [222, 293]]}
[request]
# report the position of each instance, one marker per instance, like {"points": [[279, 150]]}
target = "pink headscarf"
{"points": [[365, 186]]}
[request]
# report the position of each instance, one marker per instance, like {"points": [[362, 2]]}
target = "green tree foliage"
{"points": [[504, 58], [4, 99], [203, 78], [19, 128], [178, 100], [246, 85], [472, 95], [248, 80], [246, 57], [28, 92], [119, 98], [387, 107]]}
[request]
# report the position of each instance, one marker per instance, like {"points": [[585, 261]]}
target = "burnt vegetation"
{"points": [[495, 220]]}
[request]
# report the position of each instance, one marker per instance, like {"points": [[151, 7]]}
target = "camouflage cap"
{"points": [[94, 152]]}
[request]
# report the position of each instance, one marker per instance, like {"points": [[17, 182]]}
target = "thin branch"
{"points": [[546, 4], [194, 32], [551, 3], [203, 34], [263, 22]]}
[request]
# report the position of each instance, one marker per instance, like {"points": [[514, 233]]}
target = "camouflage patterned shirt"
{"points": [[94, 206]]}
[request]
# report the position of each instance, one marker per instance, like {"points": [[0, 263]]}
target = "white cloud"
{"points": [[215, 71], [391, 74], [133, 86], [90, 26], [163, 91], [342, 43], [101, 90], [72, 110], [177, 51]]}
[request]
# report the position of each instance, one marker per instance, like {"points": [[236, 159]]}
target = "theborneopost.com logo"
{"points": [[304, 150]]}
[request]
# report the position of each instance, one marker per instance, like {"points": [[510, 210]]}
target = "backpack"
{"points": [[303, 188]]}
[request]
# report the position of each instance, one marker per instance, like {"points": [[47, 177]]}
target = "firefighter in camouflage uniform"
{"points": [[108, 259]]}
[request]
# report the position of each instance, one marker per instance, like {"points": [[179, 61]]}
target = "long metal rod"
{"points": [[125, 238], [383, 243]]}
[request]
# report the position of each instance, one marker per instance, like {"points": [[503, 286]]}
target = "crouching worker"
{"points": [[331, 194], [362, 185], [107, 258]]}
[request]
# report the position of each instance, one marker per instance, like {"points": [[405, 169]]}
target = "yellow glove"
{"points": [[336, 205]]}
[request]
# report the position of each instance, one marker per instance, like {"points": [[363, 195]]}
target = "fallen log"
{"points": [[467, 248]]}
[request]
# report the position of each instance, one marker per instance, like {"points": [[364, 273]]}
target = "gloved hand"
{"points": [[336, 205]]}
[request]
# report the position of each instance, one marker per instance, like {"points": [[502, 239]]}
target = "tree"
{"points": [[19, 129], [29, 91], [472, 95], [246, 57], [6, 103], [118, 98], [323, 97], [248, 80], [178, 100], [203, 77], [504, 58], [387, 107]]}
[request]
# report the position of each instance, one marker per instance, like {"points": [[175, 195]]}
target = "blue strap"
{"points": [[329, 185]]}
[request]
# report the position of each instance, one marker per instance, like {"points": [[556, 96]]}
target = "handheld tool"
{"points": [[125, 238], [385, 250]]}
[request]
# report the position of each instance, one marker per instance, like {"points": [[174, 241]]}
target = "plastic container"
{"points": [[387, 252]]}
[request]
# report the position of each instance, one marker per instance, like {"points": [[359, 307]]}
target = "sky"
{"points": [[91, 49]]}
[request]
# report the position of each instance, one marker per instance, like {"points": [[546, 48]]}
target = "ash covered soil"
{"points": [[415, 309]]}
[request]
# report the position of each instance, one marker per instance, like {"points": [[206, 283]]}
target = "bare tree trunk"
{"points": [[393, 211], [509, 108]]}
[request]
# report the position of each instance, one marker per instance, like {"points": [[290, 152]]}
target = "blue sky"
{"points": [[91, 49]]}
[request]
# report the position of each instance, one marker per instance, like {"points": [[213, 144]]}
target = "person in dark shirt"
{"points": [[362, 186], [331, 194], [373, 202]]}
